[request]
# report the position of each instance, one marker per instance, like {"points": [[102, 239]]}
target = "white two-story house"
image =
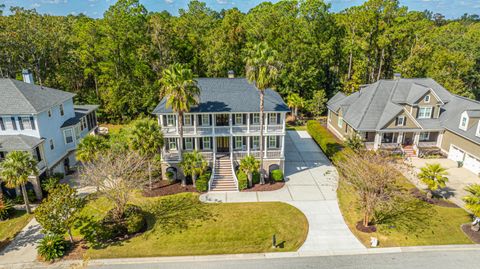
{"points": [[42, 121], [226, 124]]}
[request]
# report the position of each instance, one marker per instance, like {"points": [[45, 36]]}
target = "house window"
{"points": [[238, 142], [11, 124], [463, 122], [272, 118], [205, 120], [2, 155], [52, 146], [400, 120], [272, 142], [340, 121], [61, 110], [49, 113], [255, 142], [238, 119], [207, 144], [77, 131], [38, 155], [424, 136], [425, 113], [187, 120], [172, 143], [256, 118], [68, 134], [426, 99], [170, 120], [188, 143], [25, 123], [2, 125]]}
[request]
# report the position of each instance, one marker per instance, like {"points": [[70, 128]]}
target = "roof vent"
{"points": [[231, 74], [397, 76], [27, 76]]}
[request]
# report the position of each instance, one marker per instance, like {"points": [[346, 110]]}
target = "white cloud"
{"points": [[54, 1], [35, 5], [169, 1], [222, 2]]}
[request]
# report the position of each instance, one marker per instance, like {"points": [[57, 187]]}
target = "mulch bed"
{"points": [[268, 186], [369, 229], [77, 251], [434, 201], [164, 187], [474, 236]]}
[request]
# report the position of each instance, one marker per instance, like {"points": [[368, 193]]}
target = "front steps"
{"points": [[223, 177], [409, 151]]}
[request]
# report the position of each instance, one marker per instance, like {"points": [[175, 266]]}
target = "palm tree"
{"points": [[193, 164], [249, 165], [261, 69], [434, 176], [294, 101], [90, 148], [15, 170], [146, 138], [181, 92], [472, 201]]}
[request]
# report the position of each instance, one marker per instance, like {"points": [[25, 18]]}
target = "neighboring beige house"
{"points": [[225, 127], [412, 116]]}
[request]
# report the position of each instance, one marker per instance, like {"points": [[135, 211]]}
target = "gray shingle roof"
{"points": [[230, 95], [454, 109], [18, 142], [375, 105], [18, 97]]}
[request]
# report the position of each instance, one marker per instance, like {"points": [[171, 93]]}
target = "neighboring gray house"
{"points": [[42, 121], [225, 127], [411, 115]]}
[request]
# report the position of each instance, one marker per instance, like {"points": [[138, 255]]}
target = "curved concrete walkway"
{"points": [[311, 187]]}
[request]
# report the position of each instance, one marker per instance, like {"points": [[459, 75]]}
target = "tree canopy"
{"points": [[118, 60]]}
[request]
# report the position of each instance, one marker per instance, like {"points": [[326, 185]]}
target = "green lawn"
{"points": [[184, 226], [443, 224], [12, 226], [297, 128]]}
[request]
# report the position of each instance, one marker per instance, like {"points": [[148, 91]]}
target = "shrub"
{"points": [[277, 175], [325, 140], [52, 247], [242, 180], [134, 219], [256, 178], [31, 197], [202, 182], [169, 175], [6, 208], [50, 183]]}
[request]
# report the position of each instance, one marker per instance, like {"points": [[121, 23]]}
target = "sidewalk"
{"points": [[23, 247], [311, 187]]}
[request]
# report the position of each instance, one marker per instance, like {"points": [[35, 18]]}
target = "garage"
{"points": [[472, 163], [456, 154]]}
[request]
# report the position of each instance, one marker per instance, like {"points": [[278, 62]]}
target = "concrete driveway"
{"points": [[311, 187], [458, 178]]}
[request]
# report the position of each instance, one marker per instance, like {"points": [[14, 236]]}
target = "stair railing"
{"points": [[212, 176], [233, 172]]}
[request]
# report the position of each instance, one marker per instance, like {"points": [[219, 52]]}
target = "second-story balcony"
{"points": [[224, 130]]}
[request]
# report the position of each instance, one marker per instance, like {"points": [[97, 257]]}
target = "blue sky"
{"points": [[95, 8]]}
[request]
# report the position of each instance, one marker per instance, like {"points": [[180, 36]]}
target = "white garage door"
{"points": [[455, 153], [472, 163]]}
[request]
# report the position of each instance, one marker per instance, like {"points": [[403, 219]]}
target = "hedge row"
{"points": [[326, 140]]}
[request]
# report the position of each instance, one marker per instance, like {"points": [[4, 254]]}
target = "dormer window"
{"points": [[425, 112], [478, 129], [426, 99], [464, 122]]}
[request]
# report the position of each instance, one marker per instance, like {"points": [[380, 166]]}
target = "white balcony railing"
{"points": [[169, 130], [274, 154], [271, 154], [427, 144], [240, 129], [204, 130], [189, 130], [223, 130], [274, 128], [171, 156]]}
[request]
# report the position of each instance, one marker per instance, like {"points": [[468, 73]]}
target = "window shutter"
{"points": [[199, 121], [431, 115], [244, 142], [200, 144], [233, 119], [193, 142], [2, 125], [278, 141], [14, 124], [164, 120], [32, 122], [210, 119], [278, 118], [396, 121], [404, 121], [244, 117], [251, 118], [20, 123]]}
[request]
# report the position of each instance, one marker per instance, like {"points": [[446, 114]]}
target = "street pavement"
{"points": [[311, 187]]}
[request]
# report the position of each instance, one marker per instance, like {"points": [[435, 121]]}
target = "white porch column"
{"points": [[195, 123], [248, 122], [416, 139], [213, 124], [400, 138], [214, 144], [439, 139], [265, 146], [377, 141], [160, 120], [231, 145], [282, 146], [283, 121], [230, 121], [196, 142], [177, 121], [248, 145]]}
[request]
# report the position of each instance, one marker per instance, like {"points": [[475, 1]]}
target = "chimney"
{"points": [[27, 76], [231, 74], [397, 76]]}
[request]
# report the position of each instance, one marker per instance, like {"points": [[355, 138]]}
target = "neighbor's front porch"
{"points": [[400, 139]]}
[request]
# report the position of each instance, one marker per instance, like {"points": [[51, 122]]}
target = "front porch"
{"points": [[399, 140]]}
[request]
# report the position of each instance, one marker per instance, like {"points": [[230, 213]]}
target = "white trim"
{"points": [[425, 98], [425, 107], [402, 117]]}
